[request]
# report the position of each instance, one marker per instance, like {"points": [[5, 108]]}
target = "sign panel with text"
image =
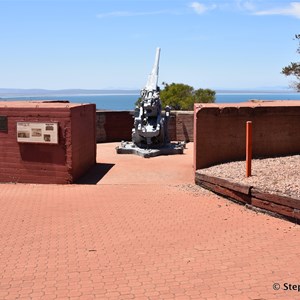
{"points": [[31, 132]]}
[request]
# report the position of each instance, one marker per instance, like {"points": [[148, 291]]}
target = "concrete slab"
{"points": [[133, 169], [143, 236], [169, 149]]}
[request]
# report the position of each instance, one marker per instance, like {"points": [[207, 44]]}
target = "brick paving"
{"points": [[148, 238]]}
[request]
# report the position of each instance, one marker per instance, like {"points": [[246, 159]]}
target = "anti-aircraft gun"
{"points": [[150, 132], [150, 126]]}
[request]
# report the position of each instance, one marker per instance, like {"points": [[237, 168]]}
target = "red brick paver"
{"points": [[122, 239]]}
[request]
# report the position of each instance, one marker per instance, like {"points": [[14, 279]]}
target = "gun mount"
{"points": [[150, 127], [150, 132]]}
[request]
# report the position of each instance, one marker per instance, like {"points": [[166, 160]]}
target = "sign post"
{"points": [[248, 148]]}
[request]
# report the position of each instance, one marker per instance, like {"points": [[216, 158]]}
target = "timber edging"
{"points": [[252, 197]]}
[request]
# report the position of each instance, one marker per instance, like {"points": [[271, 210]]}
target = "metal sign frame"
{"points": [[3, 124], [36, 132]]}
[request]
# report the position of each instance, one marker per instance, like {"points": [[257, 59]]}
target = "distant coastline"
{"points": [[127, 102], [288, 91], [9, 93], [69, 92]]}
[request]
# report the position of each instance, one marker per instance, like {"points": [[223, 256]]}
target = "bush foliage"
{"points": [[181, 96]]}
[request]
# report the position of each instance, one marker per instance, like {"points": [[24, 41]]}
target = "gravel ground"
{"points": [[278, 175], [194, 190]]}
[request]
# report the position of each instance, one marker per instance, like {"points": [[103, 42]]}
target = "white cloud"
{"points": [[134, 14], [292, 10], [243, 5], [200, 8], [248, 5]]}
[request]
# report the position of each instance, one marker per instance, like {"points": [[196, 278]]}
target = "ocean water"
{"points": [[105, 102], [126, 102]]}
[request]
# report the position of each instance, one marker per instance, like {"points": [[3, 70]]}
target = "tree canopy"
{"points": [[181, 96], [293, 69]]}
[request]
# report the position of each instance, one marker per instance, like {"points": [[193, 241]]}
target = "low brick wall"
{"points": [[220, 136], [220, 131], [113, 126], [116, 126], [35, 161], [184, 126]]}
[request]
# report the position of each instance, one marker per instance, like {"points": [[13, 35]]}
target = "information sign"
{"points": [[31, 132]]}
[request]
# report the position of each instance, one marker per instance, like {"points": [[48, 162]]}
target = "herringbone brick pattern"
{"points": [[140, 241]]}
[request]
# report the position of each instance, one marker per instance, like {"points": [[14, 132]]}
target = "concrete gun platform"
{"points": [[138, 228]]}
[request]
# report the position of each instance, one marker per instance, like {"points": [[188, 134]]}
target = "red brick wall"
{"points": [[83, 127], [172, 127], [37, 163], [220, 131], [115, 126], [185, 126]]}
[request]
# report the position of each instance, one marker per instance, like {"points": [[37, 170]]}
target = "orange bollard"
{"points": [[248, 147]]}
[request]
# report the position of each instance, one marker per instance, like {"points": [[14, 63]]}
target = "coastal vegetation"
{"points": [[293, 69], [181, 96]]}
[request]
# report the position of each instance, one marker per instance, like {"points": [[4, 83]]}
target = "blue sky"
{"points": [[99, 44]]}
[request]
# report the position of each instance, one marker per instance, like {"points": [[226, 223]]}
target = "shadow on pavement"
{"points": [[95, 174]]}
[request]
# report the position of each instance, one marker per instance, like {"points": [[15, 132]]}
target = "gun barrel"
{"points": [[156, 63], [153, 77]]}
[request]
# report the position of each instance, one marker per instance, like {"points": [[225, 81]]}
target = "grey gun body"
{"points": [[150, 127], [150, 132]]}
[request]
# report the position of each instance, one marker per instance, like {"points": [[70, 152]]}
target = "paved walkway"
{"points": [[143, 232]]}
